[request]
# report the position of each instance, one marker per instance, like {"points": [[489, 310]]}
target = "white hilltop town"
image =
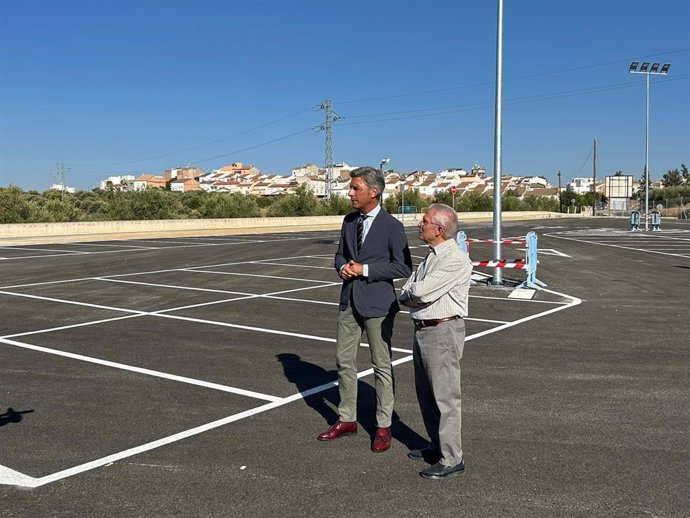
{"points": [[248, 179]]}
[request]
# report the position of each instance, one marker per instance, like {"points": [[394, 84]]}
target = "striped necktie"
{"points": [[360, 231]]}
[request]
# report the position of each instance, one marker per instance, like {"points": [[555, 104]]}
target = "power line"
{"points": [[585, 162], [275, 121], [517, 78], [284, 137], [430, 112]]}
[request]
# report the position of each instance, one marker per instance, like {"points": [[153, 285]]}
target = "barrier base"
{"points": [[487, 282], [533, 283]]}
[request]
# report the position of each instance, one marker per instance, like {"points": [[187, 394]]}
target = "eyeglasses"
{"points": [[425, 222]]}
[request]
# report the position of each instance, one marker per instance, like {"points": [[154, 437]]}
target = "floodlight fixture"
{"points": [[647, 71]]}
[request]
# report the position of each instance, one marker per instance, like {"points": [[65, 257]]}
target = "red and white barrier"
{"points": [[529, 263]]}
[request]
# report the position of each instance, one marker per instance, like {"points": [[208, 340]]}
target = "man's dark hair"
{"points": [[372, 177]]}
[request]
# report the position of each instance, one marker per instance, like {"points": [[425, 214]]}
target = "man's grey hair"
{"points": [[446, 217], [372, 177]]}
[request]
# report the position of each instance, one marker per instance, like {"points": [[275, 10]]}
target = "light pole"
{"points": [[647, 71], [497, 279], [384, 161], [560, 205]]}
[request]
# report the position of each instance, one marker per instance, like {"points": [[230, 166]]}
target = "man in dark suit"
{"points": [[371, 253]]}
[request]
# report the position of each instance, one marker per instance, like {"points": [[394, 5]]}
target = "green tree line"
{"points": [[19, 206]]}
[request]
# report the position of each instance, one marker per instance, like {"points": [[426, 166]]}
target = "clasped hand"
{"points": [[351, 270]]}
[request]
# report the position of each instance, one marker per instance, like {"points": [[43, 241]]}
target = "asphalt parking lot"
{"points": [[191, 376]]}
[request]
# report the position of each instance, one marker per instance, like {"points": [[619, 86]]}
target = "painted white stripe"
{"points": [[269, 262], [94, 243], [34, 249], [133, 249], [72, 253], [139, 370], [37, 482], [18, 479], [173, 286], [11, 477], [156, 313], [248, 296], [574, 301], [615, 246], [149, 272], [72, 302], [525, 301], [247, 328], [253, 275], [163, 240], [72, 326]]}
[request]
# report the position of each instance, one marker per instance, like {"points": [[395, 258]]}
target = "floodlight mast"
{"points": [[497, 279], [647, 71]]}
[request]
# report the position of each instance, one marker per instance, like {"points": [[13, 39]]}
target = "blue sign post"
{"points": [[635, 221], [656, 220]]}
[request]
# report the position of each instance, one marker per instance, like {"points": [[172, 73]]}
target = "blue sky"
{"points": [[138, 86]]}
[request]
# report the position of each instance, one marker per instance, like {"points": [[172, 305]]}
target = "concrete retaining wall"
{"points": [[103, 230]]}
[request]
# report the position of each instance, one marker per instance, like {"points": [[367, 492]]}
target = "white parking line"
{"points": [[32, 249], [8, 476], [167, 270], [115, 246], [139, 370], [580, 240], [135, 249], [196, 270], [11, 477]]}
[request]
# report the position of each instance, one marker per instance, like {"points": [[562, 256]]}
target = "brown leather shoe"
{"points": [[339, 429], [382, 440]]}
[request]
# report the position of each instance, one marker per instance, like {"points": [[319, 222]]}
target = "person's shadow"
{"points": [[321, 393], [12, 416]]}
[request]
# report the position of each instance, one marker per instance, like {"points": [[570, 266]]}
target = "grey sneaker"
{"points": [[439, 471]]}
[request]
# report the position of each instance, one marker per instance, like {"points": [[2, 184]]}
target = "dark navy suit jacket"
{"points": [[386, 252]]}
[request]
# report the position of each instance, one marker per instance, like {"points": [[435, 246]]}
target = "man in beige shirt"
{"points": [[437, 295]]}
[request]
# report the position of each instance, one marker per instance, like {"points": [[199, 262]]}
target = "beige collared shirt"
{"points": [[443, 280]]}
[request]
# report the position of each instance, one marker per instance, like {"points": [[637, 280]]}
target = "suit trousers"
{"points": [[436, 356], [349, 336]]}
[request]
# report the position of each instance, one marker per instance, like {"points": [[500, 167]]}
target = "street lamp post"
{"points": [[647, 71], [384, 161], [497, 279]]}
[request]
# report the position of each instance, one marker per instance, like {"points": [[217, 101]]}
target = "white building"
{"points": [[62, 187], [121, 183], [580, 185]]}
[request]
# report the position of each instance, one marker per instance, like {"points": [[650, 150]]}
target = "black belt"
{"points": [[420, 324]]}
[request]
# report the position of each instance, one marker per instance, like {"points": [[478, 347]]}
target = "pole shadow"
{"points": [[12, 416], [307, 376]]}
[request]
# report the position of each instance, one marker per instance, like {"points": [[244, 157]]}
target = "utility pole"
{"points": [[57, 177], [594, 180], [62, 181], [331, 117], [560, 205]]}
